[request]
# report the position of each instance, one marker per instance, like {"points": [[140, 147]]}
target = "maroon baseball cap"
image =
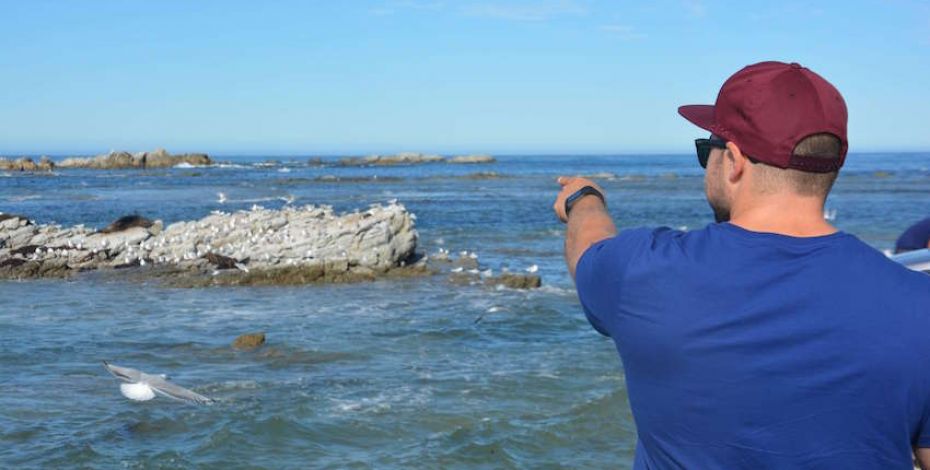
{"points": [[767, 108]]}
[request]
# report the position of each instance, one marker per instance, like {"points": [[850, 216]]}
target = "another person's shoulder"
{"points": [[915, 237]]}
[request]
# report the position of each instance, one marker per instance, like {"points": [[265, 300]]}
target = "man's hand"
{"points": [[571, 184], [589, 222]]}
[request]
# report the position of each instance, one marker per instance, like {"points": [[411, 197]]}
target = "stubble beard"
{"points": [[721, 213], [717, 201]]}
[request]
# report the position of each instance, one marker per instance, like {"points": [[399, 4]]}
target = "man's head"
{"points": [[777, 129], [732, 174]]}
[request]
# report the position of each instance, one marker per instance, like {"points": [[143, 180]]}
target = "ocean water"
{"points": [[412, 373]]}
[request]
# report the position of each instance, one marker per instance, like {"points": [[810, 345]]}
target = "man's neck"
{"points": [[792, 216]]}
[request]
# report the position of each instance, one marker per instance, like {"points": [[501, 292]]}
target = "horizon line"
{"points": [[254, 153]]}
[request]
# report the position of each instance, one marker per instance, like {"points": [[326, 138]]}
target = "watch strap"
{"points": [[584, 191]]}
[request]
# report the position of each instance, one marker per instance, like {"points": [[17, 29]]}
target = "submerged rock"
{"points": [[483, 175], [249, 341], [466, 270], [515, 281], [306, 244]]}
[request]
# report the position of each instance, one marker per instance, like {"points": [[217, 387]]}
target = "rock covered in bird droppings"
{"points": [[310, 243]]}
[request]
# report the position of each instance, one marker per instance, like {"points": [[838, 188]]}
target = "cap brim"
{"points": [[701, 115]]}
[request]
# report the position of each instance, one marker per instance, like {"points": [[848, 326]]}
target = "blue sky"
{"points": [[509, 76]]}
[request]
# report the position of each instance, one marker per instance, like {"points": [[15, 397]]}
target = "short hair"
{"points": [[774, 179]]}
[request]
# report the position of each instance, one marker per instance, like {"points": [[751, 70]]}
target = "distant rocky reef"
{"points": [[410, 158], [114, 160], [162, 159], [26, 164]]}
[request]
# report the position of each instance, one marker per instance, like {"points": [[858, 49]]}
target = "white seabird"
{"points": [[140, 386]]}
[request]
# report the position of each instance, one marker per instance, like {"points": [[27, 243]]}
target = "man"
{"points": [[768, 339], [916, 237]]}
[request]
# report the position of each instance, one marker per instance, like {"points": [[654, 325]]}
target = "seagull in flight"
{"points": [[139, 386]]}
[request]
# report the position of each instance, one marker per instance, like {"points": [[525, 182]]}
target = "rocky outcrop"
{"points": [[408, 158], [119, 160], [472, 159], [26, 164], [259, 246]]}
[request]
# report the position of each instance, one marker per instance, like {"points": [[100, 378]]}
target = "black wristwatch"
{"points": [[570, 200]]}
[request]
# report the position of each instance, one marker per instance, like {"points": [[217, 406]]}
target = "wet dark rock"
{"points": [[515, 281], [12, 262], [249, 341], [25, 250], [222, 262], [127, 222]]}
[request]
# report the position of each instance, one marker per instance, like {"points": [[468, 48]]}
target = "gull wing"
{"points": [[170, 390], [125, 374]]}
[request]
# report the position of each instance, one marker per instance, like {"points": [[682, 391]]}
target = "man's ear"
{"points": [[737, 161]]}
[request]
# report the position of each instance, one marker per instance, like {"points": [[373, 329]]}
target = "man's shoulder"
{"points": [[637, 239]]}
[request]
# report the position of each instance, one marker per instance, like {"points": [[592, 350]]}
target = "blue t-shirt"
{"points": [[757, 350]]}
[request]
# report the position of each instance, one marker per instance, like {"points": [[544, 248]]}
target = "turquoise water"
{"points": [[413, 373]]}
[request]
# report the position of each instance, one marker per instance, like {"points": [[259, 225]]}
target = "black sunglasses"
{"points": [[704, 146]]}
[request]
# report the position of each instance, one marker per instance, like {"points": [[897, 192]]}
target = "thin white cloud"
{"points": [[526, 10], [625, 32]]}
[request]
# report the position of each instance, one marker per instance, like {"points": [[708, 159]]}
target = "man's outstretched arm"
{"points": [[588, 221]]}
